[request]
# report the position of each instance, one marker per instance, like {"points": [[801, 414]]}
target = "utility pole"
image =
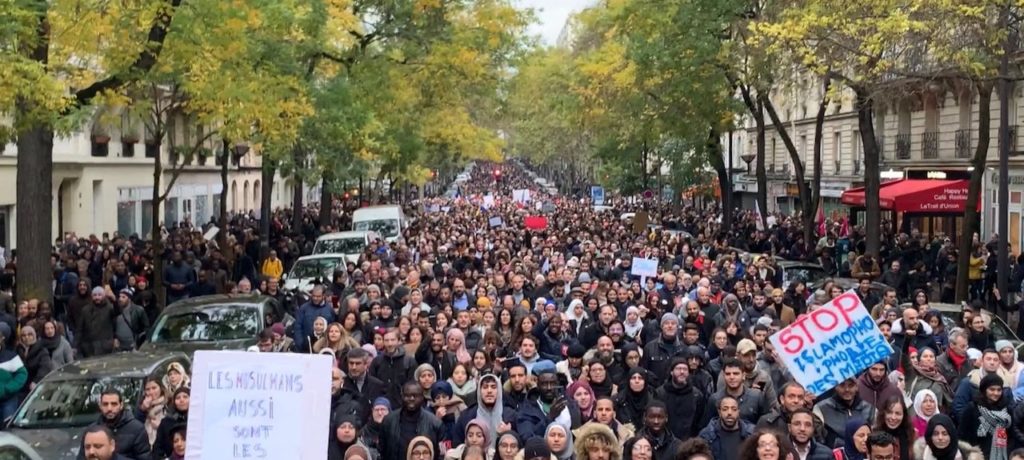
{"points": [[1005, 89]]}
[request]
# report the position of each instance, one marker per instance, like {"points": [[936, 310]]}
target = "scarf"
{"points": [[570, 394], [994, 423], [931, 373], [465, 390], [633, 329], [602, 389], [568, 451], [957, 360]]}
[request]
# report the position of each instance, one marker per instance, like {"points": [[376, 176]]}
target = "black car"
{"points": [[215, 322], [57, 410]]}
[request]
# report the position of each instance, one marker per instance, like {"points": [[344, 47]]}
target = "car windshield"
{"points": [[314, 268], [386, 227], [809, 275], [71, 403], [339, 246], [211, 323]]}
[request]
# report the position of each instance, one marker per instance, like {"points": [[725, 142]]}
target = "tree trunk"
{"points": [[34, 212], [326, 198], [266, 197], [154, 232], [297, 212], [819, 126], [222, 236], [971, 218], [724, 180], [762, 175], [872, 181]]}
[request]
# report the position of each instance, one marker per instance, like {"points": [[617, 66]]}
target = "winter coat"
{"points": [[305, 317], [391, 447], [532, 421], [967, 451], [595, 430], [130, 327], [835, 415], [130, 438], [59, 349], [37, 361], [394, 370], [13, 374], [657, 356], [711, 434], [876, 393], [753, 405], [95, 329], [687, 403], [164, 444]]}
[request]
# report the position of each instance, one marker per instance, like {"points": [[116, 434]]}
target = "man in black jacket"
{"points": [[689, 402], [366, 386], [130, 438], [433, 352], [401, 426]]}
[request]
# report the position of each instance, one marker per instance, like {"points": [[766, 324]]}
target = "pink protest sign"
{"points": [[831, 344]]}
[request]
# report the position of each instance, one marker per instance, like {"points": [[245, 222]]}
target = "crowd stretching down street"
{"points": [[469, 338]]}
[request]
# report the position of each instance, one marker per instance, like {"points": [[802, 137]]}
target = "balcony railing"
{"points": [[930, 145], [963, 143], [903, 146]]}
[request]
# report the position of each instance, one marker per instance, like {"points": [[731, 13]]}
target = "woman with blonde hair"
{"points": [[336, 339]]}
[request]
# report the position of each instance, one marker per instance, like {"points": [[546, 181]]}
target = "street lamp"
{"points": [[747, 158]]}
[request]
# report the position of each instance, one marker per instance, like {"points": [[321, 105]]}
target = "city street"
{"points": [[511, 229]]}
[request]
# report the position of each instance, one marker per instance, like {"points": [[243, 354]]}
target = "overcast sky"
{"points": [[551, 15]]}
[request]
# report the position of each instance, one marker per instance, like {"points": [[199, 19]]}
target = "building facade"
{"points": [[103, 182], [929, 133]]}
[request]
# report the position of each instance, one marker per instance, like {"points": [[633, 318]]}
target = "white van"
{"points": [[308, 269], [387, 220], [349, 244]]}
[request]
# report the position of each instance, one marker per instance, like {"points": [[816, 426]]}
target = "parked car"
{"points": [[350, 244], [1000, 330], [215, 322], [388, 220], [57, 410], [808, 272], [311, 270], [15, 448]]}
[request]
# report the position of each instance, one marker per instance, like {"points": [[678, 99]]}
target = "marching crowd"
{"points": [[468, 340]]}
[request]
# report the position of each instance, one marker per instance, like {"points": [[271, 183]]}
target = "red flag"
{"points": [[844, 228], [536, 222]]}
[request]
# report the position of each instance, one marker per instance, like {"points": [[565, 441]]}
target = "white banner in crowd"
{"points": [[521, 195], [259, 405], [831, 344]]}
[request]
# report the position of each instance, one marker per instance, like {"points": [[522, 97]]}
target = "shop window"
{"points": [[1015, 197]]}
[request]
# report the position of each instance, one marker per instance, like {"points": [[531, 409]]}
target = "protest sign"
{"points": [[644, 268], [536, 222], [521, 195], [259, 405], [597, 195], [495, 221], [488, 201], [211, 233], [831, 344]]}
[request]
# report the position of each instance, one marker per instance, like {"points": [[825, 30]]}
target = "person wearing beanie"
{"points": [[282, 343], [370, 435], [677, 391], [94, 328], [546, 404], [1008, 360], [570, 368], [986, 421], [131, 325], [660, 351], [970, 386]]}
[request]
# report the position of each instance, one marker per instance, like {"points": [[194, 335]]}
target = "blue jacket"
{"points": [[304, 320], [531, 421], [710, 434], [967, 392]]}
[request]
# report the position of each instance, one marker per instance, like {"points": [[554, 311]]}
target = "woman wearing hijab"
{"points": [[633, 324], [941, 442], [581, 392], [986, 421], [477, 434], [926, 406], [344, 435], [508, 446], [457, 345], [163, 445], [559, 440], [924, 374], [577, 316], [855, 441], [632, 401], [420, 448], [463, 385]]}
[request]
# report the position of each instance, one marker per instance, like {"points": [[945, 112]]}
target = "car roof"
{"points": [[782, 263], [198, 303], [134, 364], [345, 234], [328, 255]]}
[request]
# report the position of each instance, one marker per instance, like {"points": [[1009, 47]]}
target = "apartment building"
{"points": [[103, 181], [928, 134]]}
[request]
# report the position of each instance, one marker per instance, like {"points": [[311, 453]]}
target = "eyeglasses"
{"points": [[767, 445]]}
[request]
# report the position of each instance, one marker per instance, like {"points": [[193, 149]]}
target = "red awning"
{"points": [[915, 195]]}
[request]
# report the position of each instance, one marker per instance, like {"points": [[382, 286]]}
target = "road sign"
{"points": [[648, 194]]}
